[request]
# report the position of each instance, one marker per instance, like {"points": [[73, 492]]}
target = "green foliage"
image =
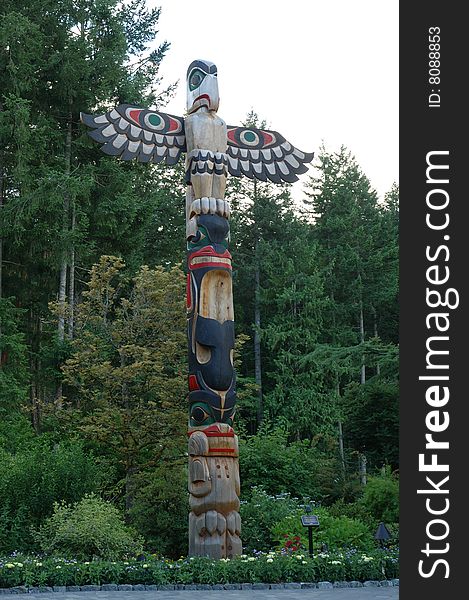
{"points": [[90, 528], [64, 203], [127, 388], [33, 479], [372, 419], [268, 568], [270, 461], [381, 499], [260, 513], [13, 371], [126, 366], [15, 430], [160, 508], [338, 533], [354, 510], [294, 305]]}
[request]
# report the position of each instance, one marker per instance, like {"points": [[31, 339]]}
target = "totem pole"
{"points": [[213, 150]]}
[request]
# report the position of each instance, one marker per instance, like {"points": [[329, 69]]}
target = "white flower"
{"points": [[335, 562], [19, 564], [303, 562], [244, 556], [270, 560], [251, 558], [38, 564], [58, 567], [300, 556], [145, 566], [86, 563], [10, 566]]}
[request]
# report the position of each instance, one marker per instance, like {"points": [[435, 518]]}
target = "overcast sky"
{"points": [[315, 70]]}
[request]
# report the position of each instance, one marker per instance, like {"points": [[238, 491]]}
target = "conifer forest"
{"points": [[93, 367]]}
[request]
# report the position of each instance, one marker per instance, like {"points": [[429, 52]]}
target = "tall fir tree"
{"points": [[63, 203]]}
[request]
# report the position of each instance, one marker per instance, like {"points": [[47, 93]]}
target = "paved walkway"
{"points": [[368, 593]]}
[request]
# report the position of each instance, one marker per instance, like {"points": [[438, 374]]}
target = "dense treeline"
{"points": [[92, 322]]}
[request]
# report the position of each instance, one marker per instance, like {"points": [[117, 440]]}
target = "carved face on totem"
{"points": [[202, 86], [212, 380]]}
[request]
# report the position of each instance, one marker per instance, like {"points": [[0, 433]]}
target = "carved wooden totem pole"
{"points": [[213, 150]]}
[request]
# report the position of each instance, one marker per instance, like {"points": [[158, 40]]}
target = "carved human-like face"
{"points": [[202, 86]]}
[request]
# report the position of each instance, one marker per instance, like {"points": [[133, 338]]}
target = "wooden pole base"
{"points": [[214, 521]]}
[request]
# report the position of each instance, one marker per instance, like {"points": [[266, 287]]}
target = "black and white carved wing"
{"points": [[129, 132], [264, 155]]}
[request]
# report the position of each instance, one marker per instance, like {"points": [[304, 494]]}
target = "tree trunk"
{"points": [[362, 468], [375, 332], [341, 450], [257, 342], [65, 230], [71, 283], [129, 490], [34, 392], [362, 340], [65, 254]]}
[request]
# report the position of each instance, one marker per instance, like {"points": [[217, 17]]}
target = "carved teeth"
{"points": [[205, 205], [212, 206], [210, 259], [195, 208]]}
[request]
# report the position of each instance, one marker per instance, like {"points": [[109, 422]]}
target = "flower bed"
{"points": [[272, 567]]}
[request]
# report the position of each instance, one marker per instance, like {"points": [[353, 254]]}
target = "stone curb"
{"points": [[110, 587]]}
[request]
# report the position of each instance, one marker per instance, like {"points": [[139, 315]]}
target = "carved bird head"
{"points": [[202, 86]]}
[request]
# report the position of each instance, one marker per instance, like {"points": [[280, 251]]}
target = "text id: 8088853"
{"points": [[434, 78]]}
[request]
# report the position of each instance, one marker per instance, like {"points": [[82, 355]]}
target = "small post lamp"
{"points": [[382, 534], [309, 520]]}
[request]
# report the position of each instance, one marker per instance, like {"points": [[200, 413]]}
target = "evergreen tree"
{"points": [[357, 242], [63, 202], [127, 368]]}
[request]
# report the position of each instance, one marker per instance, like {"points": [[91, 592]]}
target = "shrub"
{"points": [[354, 510], [259, 515], [268, 460], [160, 509], [33, 479], [381, 498], [90, 528], [337, 533]]}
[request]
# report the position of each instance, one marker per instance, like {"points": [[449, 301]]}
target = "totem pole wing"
{"points": [[264, 155], [129, 132]]}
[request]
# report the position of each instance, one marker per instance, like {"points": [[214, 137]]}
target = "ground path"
{"points": [[361, 593]]}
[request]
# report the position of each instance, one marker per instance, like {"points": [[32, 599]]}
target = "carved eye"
{"points": [[250, 137], [199, 415], [154, 121], [195, 79], [198, 237]]}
